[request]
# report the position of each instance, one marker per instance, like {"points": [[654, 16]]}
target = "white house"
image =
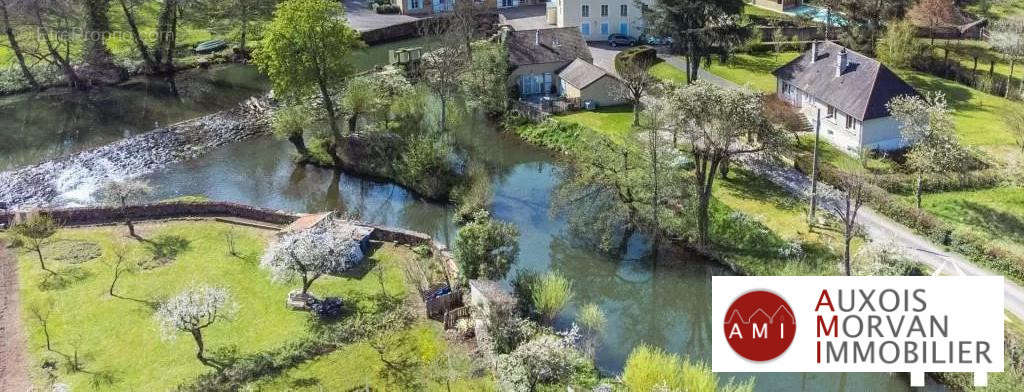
{"points": [[848, 92], [599, 18]]}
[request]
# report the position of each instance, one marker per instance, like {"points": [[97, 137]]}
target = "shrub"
{"points": [[884, 260], [546, 359], [642, 55], [508, 330], [486, 247], [652, 369], [592, 317], [549, 294], [549, 133], [330, 308], [387, 8]]}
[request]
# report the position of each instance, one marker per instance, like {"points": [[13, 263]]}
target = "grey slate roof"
{"points": [[581, 74], [556, 45], [862, 91]]}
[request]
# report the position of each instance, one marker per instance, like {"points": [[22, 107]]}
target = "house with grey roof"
{"points": [[556, 63], [846, 92]]}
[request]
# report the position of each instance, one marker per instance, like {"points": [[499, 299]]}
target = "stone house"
{"points": [[597, 19], [847, 92], [557, 63]]}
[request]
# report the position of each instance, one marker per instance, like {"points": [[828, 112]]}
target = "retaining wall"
{"points": [[106, 215]]}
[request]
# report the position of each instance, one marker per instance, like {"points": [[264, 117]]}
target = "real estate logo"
{"points": [[760, 326], [887, 324]]}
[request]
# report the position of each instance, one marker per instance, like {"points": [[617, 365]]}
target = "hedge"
{"points": [[905, 184], [642, 54], [972, 245]]}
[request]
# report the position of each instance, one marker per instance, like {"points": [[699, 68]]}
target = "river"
{"points": [[667, 306]]}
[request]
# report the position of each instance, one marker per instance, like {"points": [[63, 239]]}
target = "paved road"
{"points": [[878, 227], [363, 18]]}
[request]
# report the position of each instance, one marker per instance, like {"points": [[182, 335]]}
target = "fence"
{"points": [[529, 110]]}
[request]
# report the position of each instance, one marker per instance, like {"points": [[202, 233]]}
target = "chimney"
{"points": [[814, 51], [841, 62], [536, 37]]}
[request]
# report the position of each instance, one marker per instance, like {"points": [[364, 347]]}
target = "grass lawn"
{"points": [[118, 340], [614, 121], [742, 69], [828, 153], [996, 212]]}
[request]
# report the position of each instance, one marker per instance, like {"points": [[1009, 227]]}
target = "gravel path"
{"points": [[879, 228], [13, 358]]}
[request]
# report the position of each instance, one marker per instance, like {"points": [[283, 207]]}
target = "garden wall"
{"points": [[106, 215], [414, 28]]}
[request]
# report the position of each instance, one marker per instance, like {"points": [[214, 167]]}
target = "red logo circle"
{"points": [[759, 326]]}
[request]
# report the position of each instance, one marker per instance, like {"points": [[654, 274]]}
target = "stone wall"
{"points": [[801, 33], [107, 215], [412, 29]]}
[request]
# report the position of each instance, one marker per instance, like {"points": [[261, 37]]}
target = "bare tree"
{"points": [[128, 8], [310, 254], [41, 312], [1007, 36], [1015, 122], [59, 14], [442, 68], [119, 264], [845, 204], [721, 125], [934, 13], [192, 311], [121, 193], [12, 40]]}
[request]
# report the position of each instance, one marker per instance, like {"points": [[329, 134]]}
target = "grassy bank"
{"points": [[116, 338]]}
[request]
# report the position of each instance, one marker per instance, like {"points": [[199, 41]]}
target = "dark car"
{"points": [[621, 40]]}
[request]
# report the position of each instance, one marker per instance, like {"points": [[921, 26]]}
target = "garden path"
{"points": [[13, 358]]}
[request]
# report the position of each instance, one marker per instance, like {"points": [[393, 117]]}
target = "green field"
{"points": [[997, 213], [116, 338]]}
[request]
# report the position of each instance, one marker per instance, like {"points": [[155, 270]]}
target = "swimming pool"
{"points": [[818, 14]]}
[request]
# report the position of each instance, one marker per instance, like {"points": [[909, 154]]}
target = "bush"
{"points": [[544, 360], [486, 247], [550, 133], [642, 55], [651, 369], [549, 294], [387, 8]]}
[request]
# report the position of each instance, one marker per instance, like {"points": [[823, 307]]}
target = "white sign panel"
{"points": [[858, 324]]}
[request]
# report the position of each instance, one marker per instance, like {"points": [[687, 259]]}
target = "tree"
{"points": [[97, 30], [229, 16], [865, 21], [12, 40], [545, 359], [120, 264], [121, 193], [34, 233], [57, 13], [716, 121], [1015, 122], [637, 83], [485, 82], [933, 14], [899, 45], [649, 368], [486, 248], [926, 124], [310, 254], [1007, 37], [845, 204], [289, 122], [193, 310], [696, 27], [550, 294], [167, 36], [443, 67], [306, 48], [128, 8]]}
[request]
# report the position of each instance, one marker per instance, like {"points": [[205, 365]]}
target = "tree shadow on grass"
{"points": [[993, 221], [750, 186], [164, 248], [64, 278]]}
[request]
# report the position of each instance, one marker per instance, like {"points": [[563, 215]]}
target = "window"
{"points": [[604, 29], [831, 112], [604, 9], [851, 122], [414, 4], [623, 10], [787, 89], [585, 28], [586, 13]]}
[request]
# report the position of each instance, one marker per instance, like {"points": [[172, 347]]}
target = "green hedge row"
{"points": [[905, 184], [976, 247], [642, 55]]}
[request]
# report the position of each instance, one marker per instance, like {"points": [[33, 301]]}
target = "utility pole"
{"points": [[814, 170]]}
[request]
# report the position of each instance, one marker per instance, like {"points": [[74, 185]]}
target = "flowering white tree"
{"points": [[544, 359], [311, 253], [120, 193], [193, 310]]}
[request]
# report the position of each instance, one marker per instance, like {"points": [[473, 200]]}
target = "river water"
{"points": [[666, 306]]}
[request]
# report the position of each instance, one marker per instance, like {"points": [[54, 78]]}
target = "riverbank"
{"points": [[71, 179]]}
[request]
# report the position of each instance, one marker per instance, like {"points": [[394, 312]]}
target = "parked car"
{"points": [[655, 40], [621, 40]]}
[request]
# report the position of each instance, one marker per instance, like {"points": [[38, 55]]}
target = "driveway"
{"points": [[604, 55], [525, 18], [363, 18]]}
